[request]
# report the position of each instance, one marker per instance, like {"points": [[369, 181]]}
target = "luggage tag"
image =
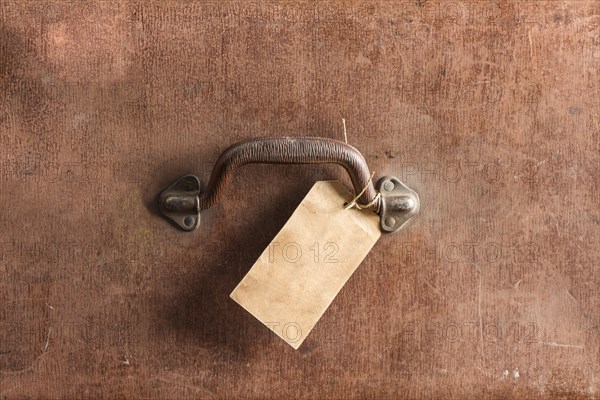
{"points": [[298, 275]]}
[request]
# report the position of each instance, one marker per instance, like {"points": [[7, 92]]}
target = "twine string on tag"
{"points": [[369, 205], [376, 201]]}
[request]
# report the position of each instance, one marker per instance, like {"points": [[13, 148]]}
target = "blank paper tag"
{"points": [[299, 274]]}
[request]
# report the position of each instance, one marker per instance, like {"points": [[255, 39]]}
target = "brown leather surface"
{"points": [[490, 110]]}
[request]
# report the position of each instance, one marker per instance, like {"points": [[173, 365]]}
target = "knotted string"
{"points": [[353, 203], [370, 204]]}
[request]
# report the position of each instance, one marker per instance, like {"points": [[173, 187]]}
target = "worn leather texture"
{"points": [[490, 110]]}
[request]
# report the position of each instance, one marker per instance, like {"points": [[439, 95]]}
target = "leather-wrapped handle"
{"points": [[288, 150]]}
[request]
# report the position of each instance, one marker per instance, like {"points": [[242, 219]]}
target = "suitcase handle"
{"points": [[183, 201]]}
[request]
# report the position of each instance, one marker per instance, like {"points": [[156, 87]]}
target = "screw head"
{"points": [[189, 221], [388, 186], [390, 221]]}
